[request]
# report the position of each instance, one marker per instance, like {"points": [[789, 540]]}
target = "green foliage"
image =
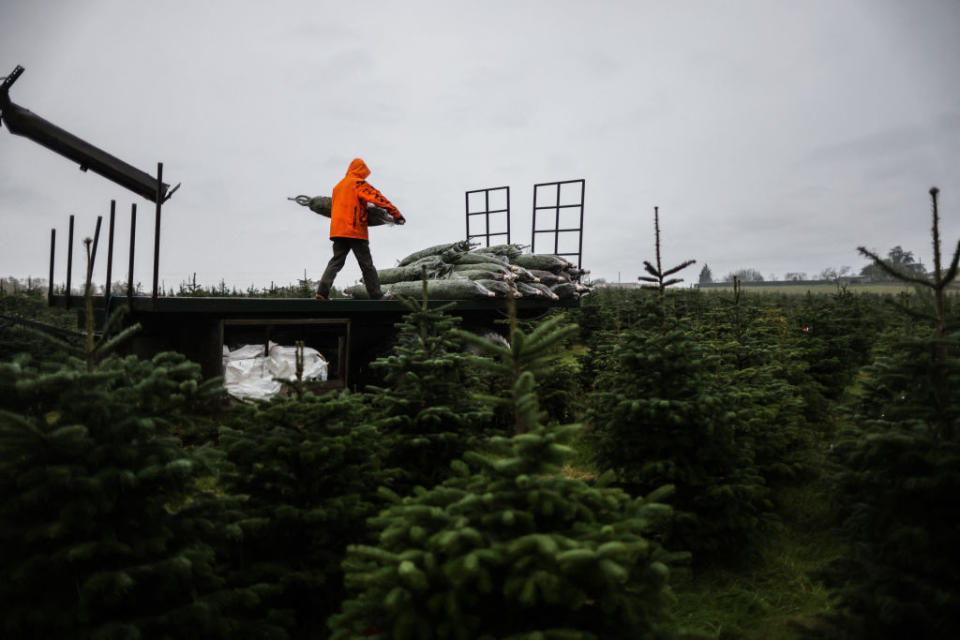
{"points": [[837, 332], [900, 478], [901, 575], [20, 316], [663, 418], [308, 470], [508, 547], [897, 264], [429, 418], [525, 357], [560, 386], [773, 596], [104, 529], [511, 548], [760, 364], [897, 486], [706, 275]]}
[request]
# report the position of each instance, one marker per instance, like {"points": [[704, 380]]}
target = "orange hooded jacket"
{"points": [[348, 211]]}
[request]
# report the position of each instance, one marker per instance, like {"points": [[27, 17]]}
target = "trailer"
{"points": [[348, 333]]}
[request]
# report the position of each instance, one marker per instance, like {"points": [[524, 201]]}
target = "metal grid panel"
{"points": [[486, 212], [544, 190]]}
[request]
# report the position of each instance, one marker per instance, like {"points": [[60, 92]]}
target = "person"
{"points": [[348, 228]]}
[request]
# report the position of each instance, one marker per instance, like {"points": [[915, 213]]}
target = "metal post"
{"points": [[508, 215], [133, 242], [583, 192], [53, 246], [113, 214], [556, 236], [156, 231], [486, 207], [96, 241], [69, 259], [533, 227]]}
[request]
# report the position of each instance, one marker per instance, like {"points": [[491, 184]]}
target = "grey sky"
{"points": [[776, 135]]}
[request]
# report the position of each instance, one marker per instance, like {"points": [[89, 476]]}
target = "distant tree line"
{"points": [[898, 259]]}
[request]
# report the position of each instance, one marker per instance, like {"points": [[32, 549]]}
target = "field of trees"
{"points": [[653, 464]]}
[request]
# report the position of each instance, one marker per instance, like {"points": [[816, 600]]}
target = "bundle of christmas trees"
{"points": [[322, 206], [457, 271]]}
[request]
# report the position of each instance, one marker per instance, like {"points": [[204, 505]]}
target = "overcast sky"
{"points": [[775, 135]]}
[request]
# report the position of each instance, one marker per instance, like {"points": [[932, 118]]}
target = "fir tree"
{"points": [[662, 418], [661, 278], [510, 548], [560, 386], [521, 360], [900, 480], [105, 530], [706, 276], [309, 469], [760, 365], [424, 408]]}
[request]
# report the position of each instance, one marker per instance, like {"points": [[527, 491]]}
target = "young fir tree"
{"points": [[900, 480], [429, 417], [309, 469], [659, 277], [560, 386], [758, 362], [23, 315], [105, 531], [508, 547], [662, 417]]}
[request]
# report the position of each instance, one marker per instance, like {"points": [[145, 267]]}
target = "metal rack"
{"points": [[486, 212], [544, 190]]}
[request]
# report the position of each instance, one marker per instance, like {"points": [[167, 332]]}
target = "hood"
{"points": [[358, 168]]}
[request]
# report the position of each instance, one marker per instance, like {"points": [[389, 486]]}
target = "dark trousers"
{"points": [[361, 250]]}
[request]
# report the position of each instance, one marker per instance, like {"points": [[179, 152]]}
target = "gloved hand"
{"points": [[401, 220]]}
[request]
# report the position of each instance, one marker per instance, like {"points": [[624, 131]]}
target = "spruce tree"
{"points": [[659, 277], [900, 479], [106, 527], [309, 469], [424, 408], [508, 547], [525, 354], [662, 417], [706, 276], [759, 363]]}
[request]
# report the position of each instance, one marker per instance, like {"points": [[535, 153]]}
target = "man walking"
{"points": [[348, 228]]}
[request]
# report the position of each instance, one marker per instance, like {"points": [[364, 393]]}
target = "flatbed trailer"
{"points": [[348, 333]]}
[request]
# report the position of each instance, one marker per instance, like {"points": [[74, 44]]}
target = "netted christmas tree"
{"points": [[900, 479], [108, 526], [429, 417], [308, 469], [508, 547]]}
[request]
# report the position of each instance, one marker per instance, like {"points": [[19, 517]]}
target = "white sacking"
{"points": [[250, 375]]}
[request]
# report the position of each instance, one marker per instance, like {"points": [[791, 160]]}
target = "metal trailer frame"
{"points": [[96, 238], [486, 212], [23, 122]]}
